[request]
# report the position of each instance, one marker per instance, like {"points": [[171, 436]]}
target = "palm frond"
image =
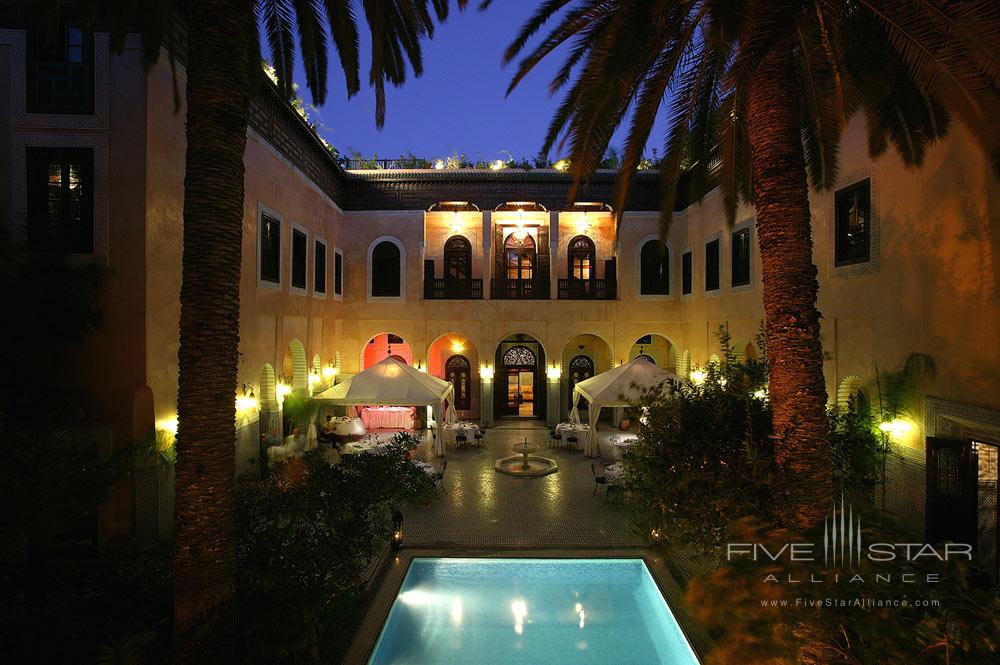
{"points": [[312, 39], [277, 18]]}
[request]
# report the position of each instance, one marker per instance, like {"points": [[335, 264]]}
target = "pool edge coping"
{"points": [[398, 564]]}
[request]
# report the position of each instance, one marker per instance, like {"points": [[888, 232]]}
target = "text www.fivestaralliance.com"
{"points": [[819, 603]]}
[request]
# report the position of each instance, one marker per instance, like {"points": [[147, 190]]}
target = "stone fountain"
{"points": [[524, 463]]}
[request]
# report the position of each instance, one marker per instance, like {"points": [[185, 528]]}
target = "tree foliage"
{"points": [[909, 66]]}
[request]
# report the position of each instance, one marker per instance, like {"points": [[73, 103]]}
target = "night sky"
{"points": [[458, 104]]}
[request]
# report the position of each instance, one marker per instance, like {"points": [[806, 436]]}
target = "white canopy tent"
{"points": [[621, 386], [392, 383]]}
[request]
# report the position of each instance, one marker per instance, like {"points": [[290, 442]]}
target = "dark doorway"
{"points": [[457, 371], [952, 491]]}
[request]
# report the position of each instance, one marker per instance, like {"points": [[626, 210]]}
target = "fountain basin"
{"points": [[526, 465]]}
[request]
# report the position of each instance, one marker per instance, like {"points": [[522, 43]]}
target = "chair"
{"points": [[599, 480], [480, 438], [461, 440], [572, 443], [439, 477], [554, 439]]}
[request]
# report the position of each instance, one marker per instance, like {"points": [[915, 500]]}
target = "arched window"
{"points": [[581, 368], [519, 356], [654, 269], [519, 250], [385, 270], [458, 372], [582, 258], [457, 258]]}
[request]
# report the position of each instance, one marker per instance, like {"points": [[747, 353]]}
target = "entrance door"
{"points": [[952, 491], [521, 392]]}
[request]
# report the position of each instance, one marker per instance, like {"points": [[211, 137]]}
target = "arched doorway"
{"points": [[519, 390], [453, 357], [384, 345], [658, 350], [585, 355], [458, 371]]}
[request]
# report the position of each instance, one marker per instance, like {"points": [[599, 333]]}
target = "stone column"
{"points": [[553, 385], [554, 254], [486, 397], [487, 255]]}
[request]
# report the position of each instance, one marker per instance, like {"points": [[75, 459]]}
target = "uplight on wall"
{"points": [[896, 427], [168, 425], [486, 373], [282, 389], [553, 372]]}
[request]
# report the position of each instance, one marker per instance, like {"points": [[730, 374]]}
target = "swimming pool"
{"points": [[552, 611]]}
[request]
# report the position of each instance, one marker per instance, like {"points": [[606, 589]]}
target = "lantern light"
{"points": [[698, 377], [397, 529]]}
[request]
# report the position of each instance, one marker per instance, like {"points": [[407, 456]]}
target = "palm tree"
{"points": [[223, 67], [757, 93]]}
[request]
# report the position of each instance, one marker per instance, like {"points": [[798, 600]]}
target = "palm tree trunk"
{"points": [[795, 353], [217, 98]]}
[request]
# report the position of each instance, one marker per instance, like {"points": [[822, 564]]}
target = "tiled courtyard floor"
{"points": [[483, 508]]}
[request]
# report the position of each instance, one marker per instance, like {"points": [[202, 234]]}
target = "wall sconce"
{"points": [[457, 347], [553, 372], [397, 529], [313, 378], [486, 373], [247, 401], [698, 377], [330, 371]]}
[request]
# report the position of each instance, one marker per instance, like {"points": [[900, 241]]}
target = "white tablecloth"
{"points": [[614, 473], [387, 417], [566, 430], [426, 467], [370, 443], [621, 442], [451, 430], [348, 426]]}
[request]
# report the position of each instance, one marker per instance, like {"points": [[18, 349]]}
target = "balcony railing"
{"points": [[521, 289], [588, 289], [453, 289]]}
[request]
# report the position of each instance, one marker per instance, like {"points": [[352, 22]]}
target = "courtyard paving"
{"points": [[483, 508]]}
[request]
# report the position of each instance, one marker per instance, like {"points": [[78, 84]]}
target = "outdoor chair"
{"points": [[554, 439], [462, 441], [439, 477], [480, 438], [599, 480], [572, 442]]}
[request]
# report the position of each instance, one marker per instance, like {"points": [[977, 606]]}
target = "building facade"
{"points": [[486, 278]]}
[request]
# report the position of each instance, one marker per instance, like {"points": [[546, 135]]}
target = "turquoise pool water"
{"points": [[544, 611]]}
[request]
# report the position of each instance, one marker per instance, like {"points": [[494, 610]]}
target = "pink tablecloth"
{"points": [[387, 417]]}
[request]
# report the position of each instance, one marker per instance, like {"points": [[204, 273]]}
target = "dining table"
{"points": [[579, 430], [348, 426], [426, 467], [387, 417], [377, 444], [622, 442], [450, 431]]}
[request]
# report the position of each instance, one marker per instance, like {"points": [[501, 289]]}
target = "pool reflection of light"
{"points": [[457, 611], [520, 610], [578, 609], [418, 597]]}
